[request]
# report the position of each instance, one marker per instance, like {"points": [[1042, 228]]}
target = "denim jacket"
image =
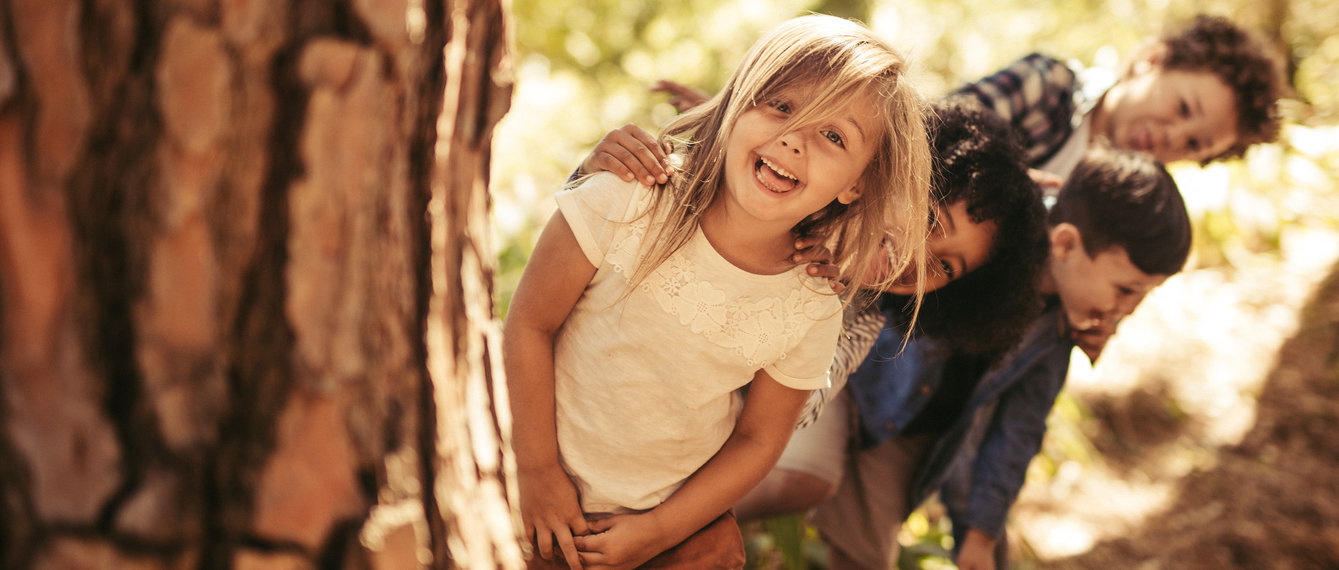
{"points": [[996, 435]]}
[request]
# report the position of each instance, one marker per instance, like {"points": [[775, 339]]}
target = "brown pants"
{"points": [[861, 520], [717, 546]]}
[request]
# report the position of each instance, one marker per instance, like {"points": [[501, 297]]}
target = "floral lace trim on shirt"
{"points": [[759, 331]]}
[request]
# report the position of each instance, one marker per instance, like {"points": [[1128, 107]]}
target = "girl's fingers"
{"points": [[592, 551], [579, 525], [600, 525], [544, 540], [569, 549]]}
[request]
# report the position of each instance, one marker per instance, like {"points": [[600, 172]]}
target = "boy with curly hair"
{"points": [[1202, 93]]}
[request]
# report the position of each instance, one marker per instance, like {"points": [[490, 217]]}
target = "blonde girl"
{"points": [[643, 310]]}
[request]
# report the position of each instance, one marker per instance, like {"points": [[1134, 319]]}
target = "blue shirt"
{"points": [[999, 430]]}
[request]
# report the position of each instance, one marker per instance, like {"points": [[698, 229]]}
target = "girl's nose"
{"points": [[788, 142]]}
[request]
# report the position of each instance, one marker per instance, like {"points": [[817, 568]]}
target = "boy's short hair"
{"points": [[1125, 199], [979, 159], [1253, 72]]}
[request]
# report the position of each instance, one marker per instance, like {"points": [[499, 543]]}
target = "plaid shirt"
{"points": [[1039, 96]]}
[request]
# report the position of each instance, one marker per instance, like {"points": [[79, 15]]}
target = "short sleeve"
{"points": [[805, 365], [860, 328], [597, 208]]}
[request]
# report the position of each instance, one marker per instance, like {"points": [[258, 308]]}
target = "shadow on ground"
{"points": [[1269, 501]]}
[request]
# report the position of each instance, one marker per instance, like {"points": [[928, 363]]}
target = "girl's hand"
{"points": [[622, 541], [550, 512], [682, 97], [629, 152]]}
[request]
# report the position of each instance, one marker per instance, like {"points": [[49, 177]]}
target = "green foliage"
{"points": [[789, 535], [927, 539]]}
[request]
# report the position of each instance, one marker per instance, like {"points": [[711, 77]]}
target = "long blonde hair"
{"points": [[838, 59]]}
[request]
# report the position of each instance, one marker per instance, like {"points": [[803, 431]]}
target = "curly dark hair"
{"points": [[1215, 44], [978, 158]]}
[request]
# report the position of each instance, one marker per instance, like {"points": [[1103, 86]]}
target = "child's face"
{"points": [[779, 177], [1096, 290], [956, 246], [1174, 114]]}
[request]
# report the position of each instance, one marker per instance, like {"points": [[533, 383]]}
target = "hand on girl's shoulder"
{"points": [[631, 153], [811, 250]]}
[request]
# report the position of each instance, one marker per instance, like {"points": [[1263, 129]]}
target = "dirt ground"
{"points": [[1212, 433]]}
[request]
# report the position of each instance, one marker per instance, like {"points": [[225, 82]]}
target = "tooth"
{"points": [[778, 169]]}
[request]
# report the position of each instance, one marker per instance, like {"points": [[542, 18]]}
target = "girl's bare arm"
{"points": [[553, 280]]}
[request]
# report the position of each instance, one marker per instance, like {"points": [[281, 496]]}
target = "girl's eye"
{"points": [[835, 138], [948, 269], [782, 106]]}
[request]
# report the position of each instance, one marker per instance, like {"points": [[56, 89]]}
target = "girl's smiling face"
{"points": [[956, 246], [778, 173]]}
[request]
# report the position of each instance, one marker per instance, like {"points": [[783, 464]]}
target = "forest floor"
{"points": [[1208, 431]]}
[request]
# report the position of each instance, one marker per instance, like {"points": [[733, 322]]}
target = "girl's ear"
{"points": [[849, 195]]}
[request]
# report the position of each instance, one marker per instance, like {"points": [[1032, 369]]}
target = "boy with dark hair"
{"points": [[1203, 93], [934, 417]]}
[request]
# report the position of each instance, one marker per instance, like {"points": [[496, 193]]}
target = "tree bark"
{"points": [[245, 286]]}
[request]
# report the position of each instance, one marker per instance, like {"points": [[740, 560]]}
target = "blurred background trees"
{"points": [[585, 68]]}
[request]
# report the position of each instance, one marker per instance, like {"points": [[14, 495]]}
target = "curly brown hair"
{"points": [[1215, 44]]}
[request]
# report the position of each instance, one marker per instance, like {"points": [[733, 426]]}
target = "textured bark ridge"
{"points": [[245, 285]]}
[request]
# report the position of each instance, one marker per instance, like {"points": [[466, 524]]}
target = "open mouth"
{"points": [[1093, 321], [774, 177], [1144, 140]]}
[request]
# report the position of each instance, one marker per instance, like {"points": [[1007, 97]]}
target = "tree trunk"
{"points": [[245, 285]]}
